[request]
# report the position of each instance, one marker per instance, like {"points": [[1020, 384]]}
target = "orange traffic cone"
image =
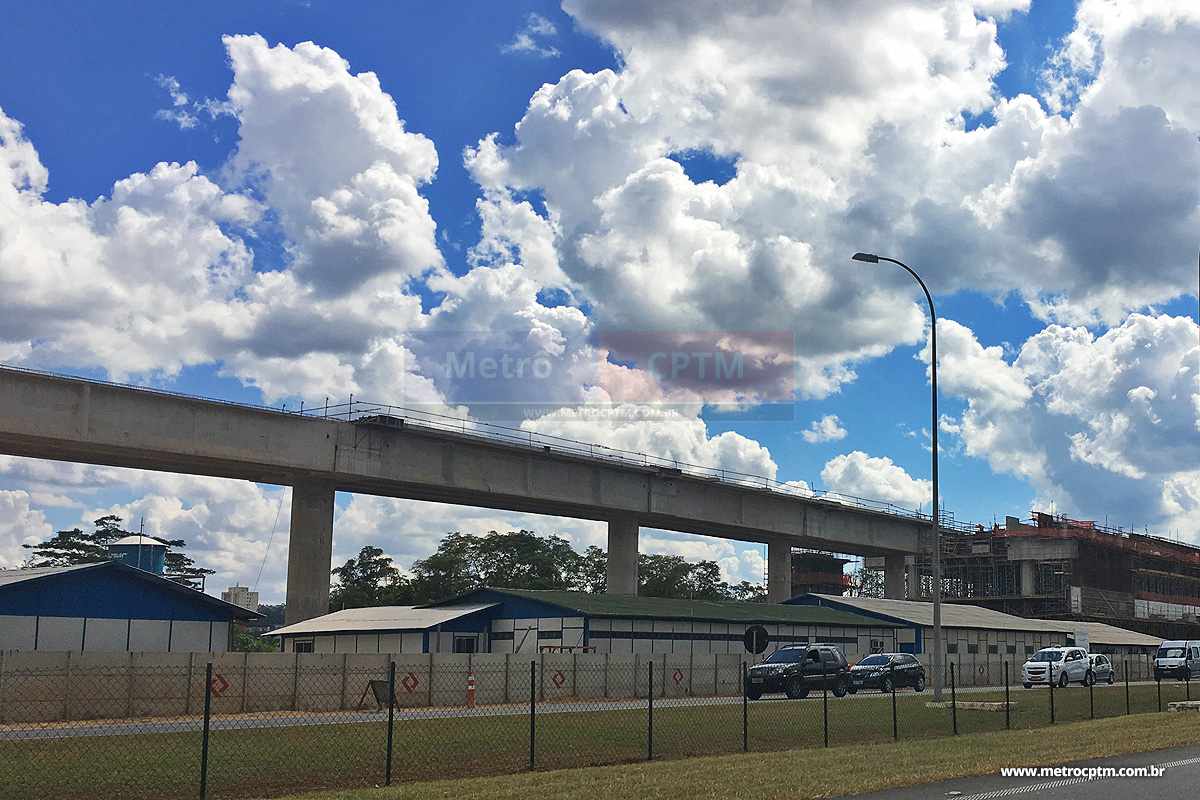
{"points": [[470, 690]]}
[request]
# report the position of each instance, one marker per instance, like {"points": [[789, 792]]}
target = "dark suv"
{"points": [[880, 670], [798, 669]]}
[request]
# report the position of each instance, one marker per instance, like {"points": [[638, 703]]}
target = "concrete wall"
{"points": [[988, 670], [50, 687], [102, 635]]}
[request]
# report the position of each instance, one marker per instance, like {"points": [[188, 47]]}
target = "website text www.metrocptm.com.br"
{"points": [[1150, 771]]}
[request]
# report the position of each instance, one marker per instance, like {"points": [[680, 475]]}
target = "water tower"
{"points": [[143, 552]]}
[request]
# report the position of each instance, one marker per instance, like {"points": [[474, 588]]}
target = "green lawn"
{"points": [[257, 762], [813, 773]]}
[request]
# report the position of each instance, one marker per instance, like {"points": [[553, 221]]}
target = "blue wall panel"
{"points": [[105, 591]]}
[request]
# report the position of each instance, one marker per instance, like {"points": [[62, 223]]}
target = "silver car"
{"points": [[1103, 670]]}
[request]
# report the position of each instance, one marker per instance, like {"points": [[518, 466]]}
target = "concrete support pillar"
{"points": [[893, 576], [310, 550], [779, 570], [623, 555], [1028, 578]]}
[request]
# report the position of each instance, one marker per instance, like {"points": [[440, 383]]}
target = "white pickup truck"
{"points": [[1062, 665]]}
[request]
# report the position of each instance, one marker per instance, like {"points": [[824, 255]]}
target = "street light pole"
{"points": [[938, 649]]}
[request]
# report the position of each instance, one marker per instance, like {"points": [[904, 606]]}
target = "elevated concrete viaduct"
{"points": [[67, 419]]}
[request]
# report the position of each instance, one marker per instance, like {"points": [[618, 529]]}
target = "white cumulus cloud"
{"points": [[826, 429]]}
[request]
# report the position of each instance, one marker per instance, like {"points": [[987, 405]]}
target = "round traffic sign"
{"points": [[756, 639]]}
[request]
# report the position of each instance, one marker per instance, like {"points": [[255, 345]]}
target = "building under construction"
{"points": [[1056, 567], [818, 572]]}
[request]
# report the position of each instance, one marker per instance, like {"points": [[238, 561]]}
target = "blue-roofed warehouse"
{"points": [[521, 621], [110, 606]]}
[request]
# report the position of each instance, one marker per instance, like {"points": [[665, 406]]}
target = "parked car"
{"points": [[1177, 659], [1103, 669], [798, 669], [1063, 665], [879, 670]]}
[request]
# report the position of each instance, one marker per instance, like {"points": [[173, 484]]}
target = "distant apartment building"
{"points": [[241, 596]]}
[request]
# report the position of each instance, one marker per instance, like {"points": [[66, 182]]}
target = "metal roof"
{"points": [[1102, 633], [137, 540], [954, 615], [381, 618], [631, 606], [11, 577], [958, 615]]}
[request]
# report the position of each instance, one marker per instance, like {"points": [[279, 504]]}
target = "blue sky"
{"points": [[85, 82]]}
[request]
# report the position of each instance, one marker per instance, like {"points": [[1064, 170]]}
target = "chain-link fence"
{"points": [[233, 728]]}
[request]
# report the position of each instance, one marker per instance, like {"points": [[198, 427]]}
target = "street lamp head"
{"points": [[870, 258]]}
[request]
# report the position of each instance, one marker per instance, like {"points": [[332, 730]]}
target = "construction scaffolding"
{"points": [[1057, 567]]}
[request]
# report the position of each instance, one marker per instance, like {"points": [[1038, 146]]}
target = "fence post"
{"points": [[953, 701], [1158, 683], [1092, 697], [204, 734], [650, 709], [1127, 708], [745, 713], [1007, 717], [387, 769], [1050, 680], [824, 703], [1187, 683], [129, 682], [1, 687], [187, 699], [532, 709], [895, 729], [296, 683], [345, 669], [246, 679], [66, 692], [507, 667]]}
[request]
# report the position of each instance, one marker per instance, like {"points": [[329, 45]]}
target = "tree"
{"points": [[74, 546], [180, 566], [520, 560], [663, 576], [517, 560], [524, 559], [246, 642], [449, 572], [674, 576], [273, 614], [593, 571], [70, 547], [368, 579], [866, 583], [748, 592]]}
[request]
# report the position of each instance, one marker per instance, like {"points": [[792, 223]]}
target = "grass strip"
{"points": [[814, 773]]}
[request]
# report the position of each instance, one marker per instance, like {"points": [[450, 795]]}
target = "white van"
{"points": [[1177, 659]]}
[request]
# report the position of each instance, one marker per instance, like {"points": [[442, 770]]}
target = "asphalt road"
{"points": [[1180, 779], [287, 719]]}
